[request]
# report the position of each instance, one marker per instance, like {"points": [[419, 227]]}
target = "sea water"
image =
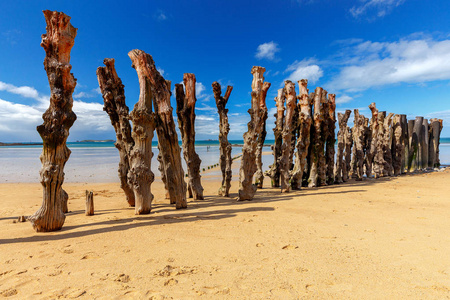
{"points": [[98, 161]]}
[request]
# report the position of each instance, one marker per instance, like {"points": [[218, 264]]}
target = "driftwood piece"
{"points": [[303, 140], [317, 144], [295, 133], [224, 128], [358, 145], [425, 144], [167, 135], [274, 171], [342, 121], [367, 141], [285, 164], [259, 175], [378, 161], [248, 162], [186, 123], [58, 119], [89, 203], [346, 166], [398, 150], [331, 138], [387, 145], [113, 94], [140, 175]]}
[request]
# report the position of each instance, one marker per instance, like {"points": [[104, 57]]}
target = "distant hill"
{"points": [[20, 144], [96, 141]]}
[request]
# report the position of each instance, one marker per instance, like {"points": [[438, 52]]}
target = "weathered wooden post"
{"points": [[291, 103], [113, 94], [348, 140], [342, 120], [274, 171], [259, 175], [58, 118], [140, 174], [186, 123], [425, 144], [322, 167], [405, 142], [434, 135], [89, 203], [387, 145], [331, 139], [411, 154], [317, 145], [372, 150], [398, 151], [416, 153], [225, 147], [358, 145], [248, 162], [303, 140]]}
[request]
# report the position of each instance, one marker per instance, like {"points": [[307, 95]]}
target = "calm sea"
{"points": [[98, 161]]}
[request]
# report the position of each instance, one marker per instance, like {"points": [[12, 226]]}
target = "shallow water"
{"points": [[99, 164]]}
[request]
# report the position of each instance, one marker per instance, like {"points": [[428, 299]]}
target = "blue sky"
{"points": [[393, 52]]}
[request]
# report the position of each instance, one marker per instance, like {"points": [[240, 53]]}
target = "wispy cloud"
{"points": [[305, 69], [267, 51], [373, 9], [372, 64], [160, 15]]}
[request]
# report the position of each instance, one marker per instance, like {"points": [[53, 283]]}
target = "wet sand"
{"points": [[377, 239]]}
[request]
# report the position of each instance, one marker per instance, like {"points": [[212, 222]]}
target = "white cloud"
{"points": [[305, 69], [160, 70], [160, 15], [373, 64], [199, 89], [343, 99], [19, 121], [267, 50], [374, 8]]}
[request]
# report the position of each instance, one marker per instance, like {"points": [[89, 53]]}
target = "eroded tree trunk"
{"points": [[372, 150], [387, 145], [331, 139], [347, 154], [317, 145], [248, 162], [425, 143], [140, 175], [405, 142], [225, 147], [415, 153], [303, 139], [285, 164], [358, 145], [113, 94], [165, 128], [58, 119], [398, 151], [322, 166], [434, 135], [340, 166], [259, 175], [411, 155], [274, 171], [186, 123]]}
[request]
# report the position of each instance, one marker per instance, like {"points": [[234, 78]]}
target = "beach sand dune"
{"points": [[387, 238]]}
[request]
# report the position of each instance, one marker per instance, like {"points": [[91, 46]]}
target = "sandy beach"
{"points": [[376, 239]]}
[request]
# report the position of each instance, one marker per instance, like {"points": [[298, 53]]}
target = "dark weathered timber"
{"points": [[388, 169], [259, 175], [322, 166], [58, 118], [358, 145], [113, 94], [434, 135], [186, 123], [285, 164], [331, 138], [140, 175], [340, 166], [415, 153], [398, 150], [405, 142], [425, 144], [303, 140], [247, 169], [224, 128], [274, 170], [372, 149]]}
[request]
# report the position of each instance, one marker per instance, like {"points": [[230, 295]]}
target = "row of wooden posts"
{"points": [[306, 123]]}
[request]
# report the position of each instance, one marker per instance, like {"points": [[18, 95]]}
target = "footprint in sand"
{"points": [[9, 292], [289, 247], [90, 255]]}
